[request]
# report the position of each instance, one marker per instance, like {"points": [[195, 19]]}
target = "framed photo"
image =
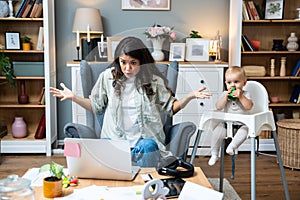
{"points": [[146, 4], [102, 49], [12, 41], [177, 52], [197, 49], [112, 43], [274, 9]]}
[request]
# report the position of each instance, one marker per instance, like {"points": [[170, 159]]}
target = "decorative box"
{"points": [[28, 68]]}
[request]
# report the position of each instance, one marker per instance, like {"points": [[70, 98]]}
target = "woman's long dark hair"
{"points": [[135, 48]]}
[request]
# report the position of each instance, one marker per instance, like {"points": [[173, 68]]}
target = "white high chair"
{"points": [[260, 118]]}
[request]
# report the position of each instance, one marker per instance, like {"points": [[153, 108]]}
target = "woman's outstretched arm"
{"points": [[181, 103], [67, 94]]}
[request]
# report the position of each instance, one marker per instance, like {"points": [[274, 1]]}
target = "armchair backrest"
{"points": [[90, 72], [259, 96]]}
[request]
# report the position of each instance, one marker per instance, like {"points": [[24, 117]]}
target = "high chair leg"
{"points": [[286, 191], [222, 166]]}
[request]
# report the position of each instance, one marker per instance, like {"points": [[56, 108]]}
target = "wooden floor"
{"points": [[268, 183]]}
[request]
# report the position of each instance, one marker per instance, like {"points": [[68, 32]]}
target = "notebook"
{"points": [[99, 159]]}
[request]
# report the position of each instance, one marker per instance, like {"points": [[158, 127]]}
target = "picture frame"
{"points": [[102, 50], [12, 41], [146, 4], [112, 43], [274, 9], [177, 52], [197, 49]]}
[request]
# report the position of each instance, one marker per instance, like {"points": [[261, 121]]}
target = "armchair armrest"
{"points": [[178, 138], [74, 130]]}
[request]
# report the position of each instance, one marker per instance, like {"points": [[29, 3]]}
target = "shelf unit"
{"points": [[265, 31], [31, 112]]}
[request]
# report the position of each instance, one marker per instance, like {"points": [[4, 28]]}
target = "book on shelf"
{"points": [[244, 11], [34, 8], [251, 17], [247, 44], [253, 10], [3, 131], [296, 70], [39, 10], [43, 99], [40, 42], [295, 94], [259, 11], [242, 47], [42, 93], [21, 8], [40, 132], [28, 8]]}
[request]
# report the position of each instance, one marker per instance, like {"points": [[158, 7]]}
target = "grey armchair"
{"points": [[177, 136]]}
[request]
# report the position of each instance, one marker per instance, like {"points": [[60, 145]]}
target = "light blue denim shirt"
{"points": [[148, 109]]}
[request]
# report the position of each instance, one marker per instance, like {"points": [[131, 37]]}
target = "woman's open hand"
{"points": [[64, 94], [200, 94]]}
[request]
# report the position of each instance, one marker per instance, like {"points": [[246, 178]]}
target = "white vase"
{"points": [[157, 54], [292, 44]]}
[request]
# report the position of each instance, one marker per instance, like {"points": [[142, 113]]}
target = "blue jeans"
{"points": [[145, 153]]}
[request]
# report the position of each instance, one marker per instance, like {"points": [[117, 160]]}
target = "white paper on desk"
{"points": [[125, 193], [193, 191], [92, 192], [102, 192]]}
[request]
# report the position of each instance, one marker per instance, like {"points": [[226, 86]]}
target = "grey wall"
{"points": [[205, 16]]}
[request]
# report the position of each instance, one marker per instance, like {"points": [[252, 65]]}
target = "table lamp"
{"points": [[88, 21]]}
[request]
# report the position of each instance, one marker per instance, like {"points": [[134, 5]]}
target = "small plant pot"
{"points": [[52, 187], [26, 46]]}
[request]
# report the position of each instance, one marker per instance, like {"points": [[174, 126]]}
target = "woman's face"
{"points": [[130, 66]]}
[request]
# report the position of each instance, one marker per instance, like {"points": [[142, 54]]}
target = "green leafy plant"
{"points": [[57, 173], [26, 39], [6, 69], [55, 169], [195, 34]]}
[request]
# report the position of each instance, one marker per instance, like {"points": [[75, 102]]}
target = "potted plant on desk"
{"points": [[52, 185]]}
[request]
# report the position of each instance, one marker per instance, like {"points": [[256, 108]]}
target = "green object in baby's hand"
{"points": [[230, 97]]}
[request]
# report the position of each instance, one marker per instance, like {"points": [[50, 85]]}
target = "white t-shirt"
{"points": [[129, 112]]}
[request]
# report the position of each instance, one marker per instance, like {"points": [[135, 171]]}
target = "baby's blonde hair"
{"points": [[238, 70]]}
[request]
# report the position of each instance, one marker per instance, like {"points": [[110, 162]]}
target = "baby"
{"points": [[234, 100]]}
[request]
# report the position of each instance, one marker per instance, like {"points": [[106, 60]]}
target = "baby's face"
{"points": [[234, 80]]}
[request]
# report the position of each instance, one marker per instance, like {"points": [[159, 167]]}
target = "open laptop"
{"points": [[99, 159]]}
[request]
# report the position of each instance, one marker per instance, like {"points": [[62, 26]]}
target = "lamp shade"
{"points": [[87, 17]]}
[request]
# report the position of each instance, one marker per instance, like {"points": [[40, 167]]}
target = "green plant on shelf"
{"points": [[6, 70], [195, 34], [26, 39]]}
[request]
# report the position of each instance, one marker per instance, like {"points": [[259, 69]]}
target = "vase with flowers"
{"points": [[158, 34]]}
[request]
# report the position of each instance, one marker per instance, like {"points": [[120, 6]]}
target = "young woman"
{"points": [[133, 92]]}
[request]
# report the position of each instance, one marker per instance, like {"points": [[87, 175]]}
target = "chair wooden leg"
{"points": [[253, 169], [287, 195], [222, 166]]}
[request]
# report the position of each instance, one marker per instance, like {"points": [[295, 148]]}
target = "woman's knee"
{"points": [[147, 145]]}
